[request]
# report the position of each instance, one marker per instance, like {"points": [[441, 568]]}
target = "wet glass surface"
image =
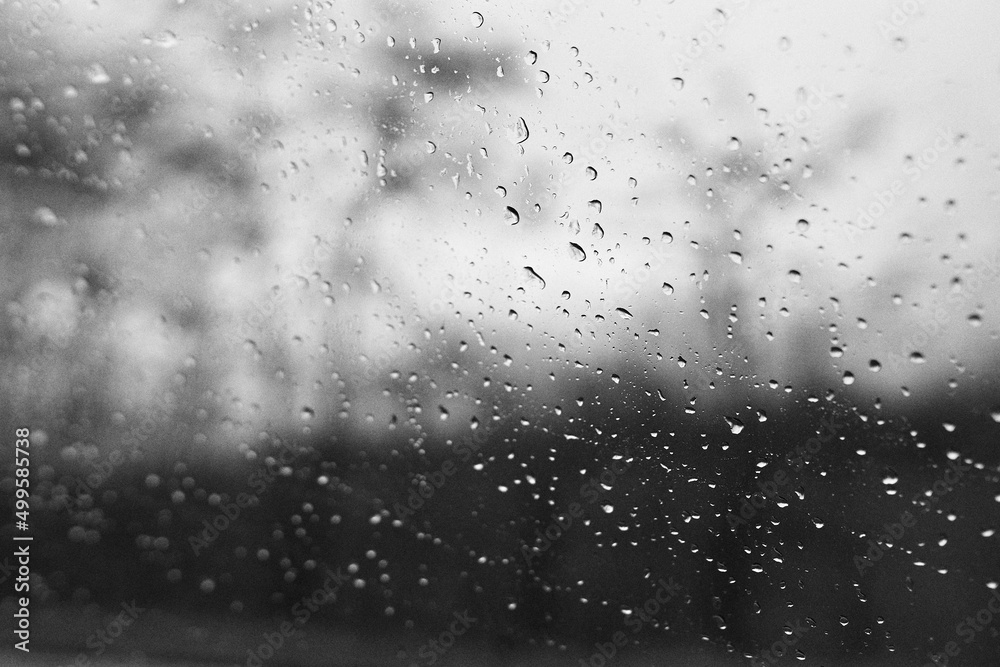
{"points": [[564, 333]]}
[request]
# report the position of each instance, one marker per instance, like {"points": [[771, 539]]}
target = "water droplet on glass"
{"points": [[591, 173], [97, 75], [678, 83], [734, 144], [511, 216], [624, 314], [534, 277], [477, 20], [577, 252], [45, 216], [518, 133], [668, 288], [597, 231]]}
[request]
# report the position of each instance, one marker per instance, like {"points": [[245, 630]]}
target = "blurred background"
{"points": [[506, 310]]}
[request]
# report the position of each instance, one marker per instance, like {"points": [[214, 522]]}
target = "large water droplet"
{"points": [[518, 133], [511, 216], [533, 276]]}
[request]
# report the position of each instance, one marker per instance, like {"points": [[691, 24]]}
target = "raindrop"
{"points": [[736, 257], [534, 277], [678, 83], [874, 366], [511, 216], [917, 358], [45, 216], [624, 314], [97, 75], [795, 276], [518, 134], [598, 231], [595, 204], [668, 288], [577, 252], [735, 425], [734, 144], [802, 225], [477, 20]]}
